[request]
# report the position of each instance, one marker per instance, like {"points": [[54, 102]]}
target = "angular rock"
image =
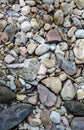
{"points": [[28, 70], [12, 116], [68, 66], [26, 26], [53, 83], [58, 17], [31, 48], [53, 35], [41, 49], [3, 37], [69, 91], [75, 107], [79, 3], [48, 63], [6, 95], [55, 117], [48, 1], [46, 97], [9, 59], [80, 94], [77, 123], [2, 73], [25, 10]]}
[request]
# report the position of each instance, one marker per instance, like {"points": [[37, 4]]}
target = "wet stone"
{"points": [[14, 115], [6, 95]]}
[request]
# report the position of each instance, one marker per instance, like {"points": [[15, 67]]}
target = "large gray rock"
{"points": [[12, 116], [77, 123]]}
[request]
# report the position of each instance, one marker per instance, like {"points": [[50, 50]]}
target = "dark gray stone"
{"points": [[75, 107], [77, 123], [12, 116], [6, 95]]}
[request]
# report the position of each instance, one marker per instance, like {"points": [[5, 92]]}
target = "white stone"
{"points": [[9, 59], [22, 3], [41, 49], [25, 10], [26, 26], [79, 33], [42, 70], [80, 94], [48, 1], [39, 39], [55, 117]]}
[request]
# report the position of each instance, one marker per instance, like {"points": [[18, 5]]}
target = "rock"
{"points": [[46, 97], [48, 63], [75, 107], [28, 70], [79, 3], [23, 50], [77, 123], [14, 115], [68, 66], [48, 1], [42, 70], [46, 119], [41, 49], [53, 35], [3, 37], [9, 59], [35, 122], [25, 10], [63, 46], [16, 7], [20, 97], [53, 83], [2, 73], [31, 48], [79, 50], [34, 24], [6, 95], [33, 99], [69, 91], [80, 94], [3, 24], [55, 117], [39, 39], [76, 22], [53, 47], [22, 3], [30, 2], [10, 30], [65, 8], [58, 17], [12, 84], [26, 26], [71, 31], [79, 33]]}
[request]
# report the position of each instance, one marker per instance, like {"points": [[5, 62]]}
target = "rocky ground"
{"points": [[41, 65]]}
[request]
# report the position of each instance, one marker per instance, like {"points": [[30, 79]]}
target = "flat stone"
{"points": [[68, 66], [31, 48], [9, 59], [58, 17], [77, 123], [80, 94], [55, 117], [33, 99], [48, 1], [69, 91], [6, 95], [53, 83], [75, 107], [48, 63], [39, 39], [53, 35], [79, 50], [3, 37], [79, 33], [34, 24], [41, 49], [25, 10], [35, 122], [79, 3], [71, 31], [26, 26], [46, 97], [14, 115]]}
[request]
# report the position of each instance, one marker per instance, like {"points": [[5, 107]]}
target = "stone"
{"points": [[14, 115], [41, 49], [33, 99], [53, 83], [6, 95], [75, 107], [39, 39], [79, 3], [48, 1], [42, 70], [3, 37], [12, 84], [31, 48], [16, 7], [65, 8], [2, 73], [26, 26], [48, 63], [25, 10], [71, 31], [10, 30], [3, 24], [55, 117], [79, 33], [76, 22], [80, 94], [77, 123], [9, 59], [23, 50], [28, 70], [22, 19], [69, 91], [58, 17], [46, 119], [34, 24], [47, 98], [79, 50], [20, 97], [68, 66], [35, 122], [53, 35], [22, 3], [63, 46], [30, 2]]}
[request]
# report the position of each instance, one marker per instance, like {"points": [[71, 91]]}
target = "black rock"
{"points": [[12, 116], [6, 95], [75, 107], [77, 123]]}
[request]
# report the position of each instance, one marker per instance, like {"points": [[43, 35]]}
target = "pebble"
{"points": [[16, 7], [48, 1], [48, 63], [35, 122], [47, 98], [42, 70], [55, 117], [53, 83], [71, 31], [41, 49], [77, 123], [22, 3], [33, 99], [69, 91], [3, 37], [79, 3], [9, 59], [31, 48], [12, 84], [25, 26], [2, 73], [3, 24], [34, 24], [16, 112], [80, 94], [79, 33], [25, 10], [39, 39], [58, 17]]}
